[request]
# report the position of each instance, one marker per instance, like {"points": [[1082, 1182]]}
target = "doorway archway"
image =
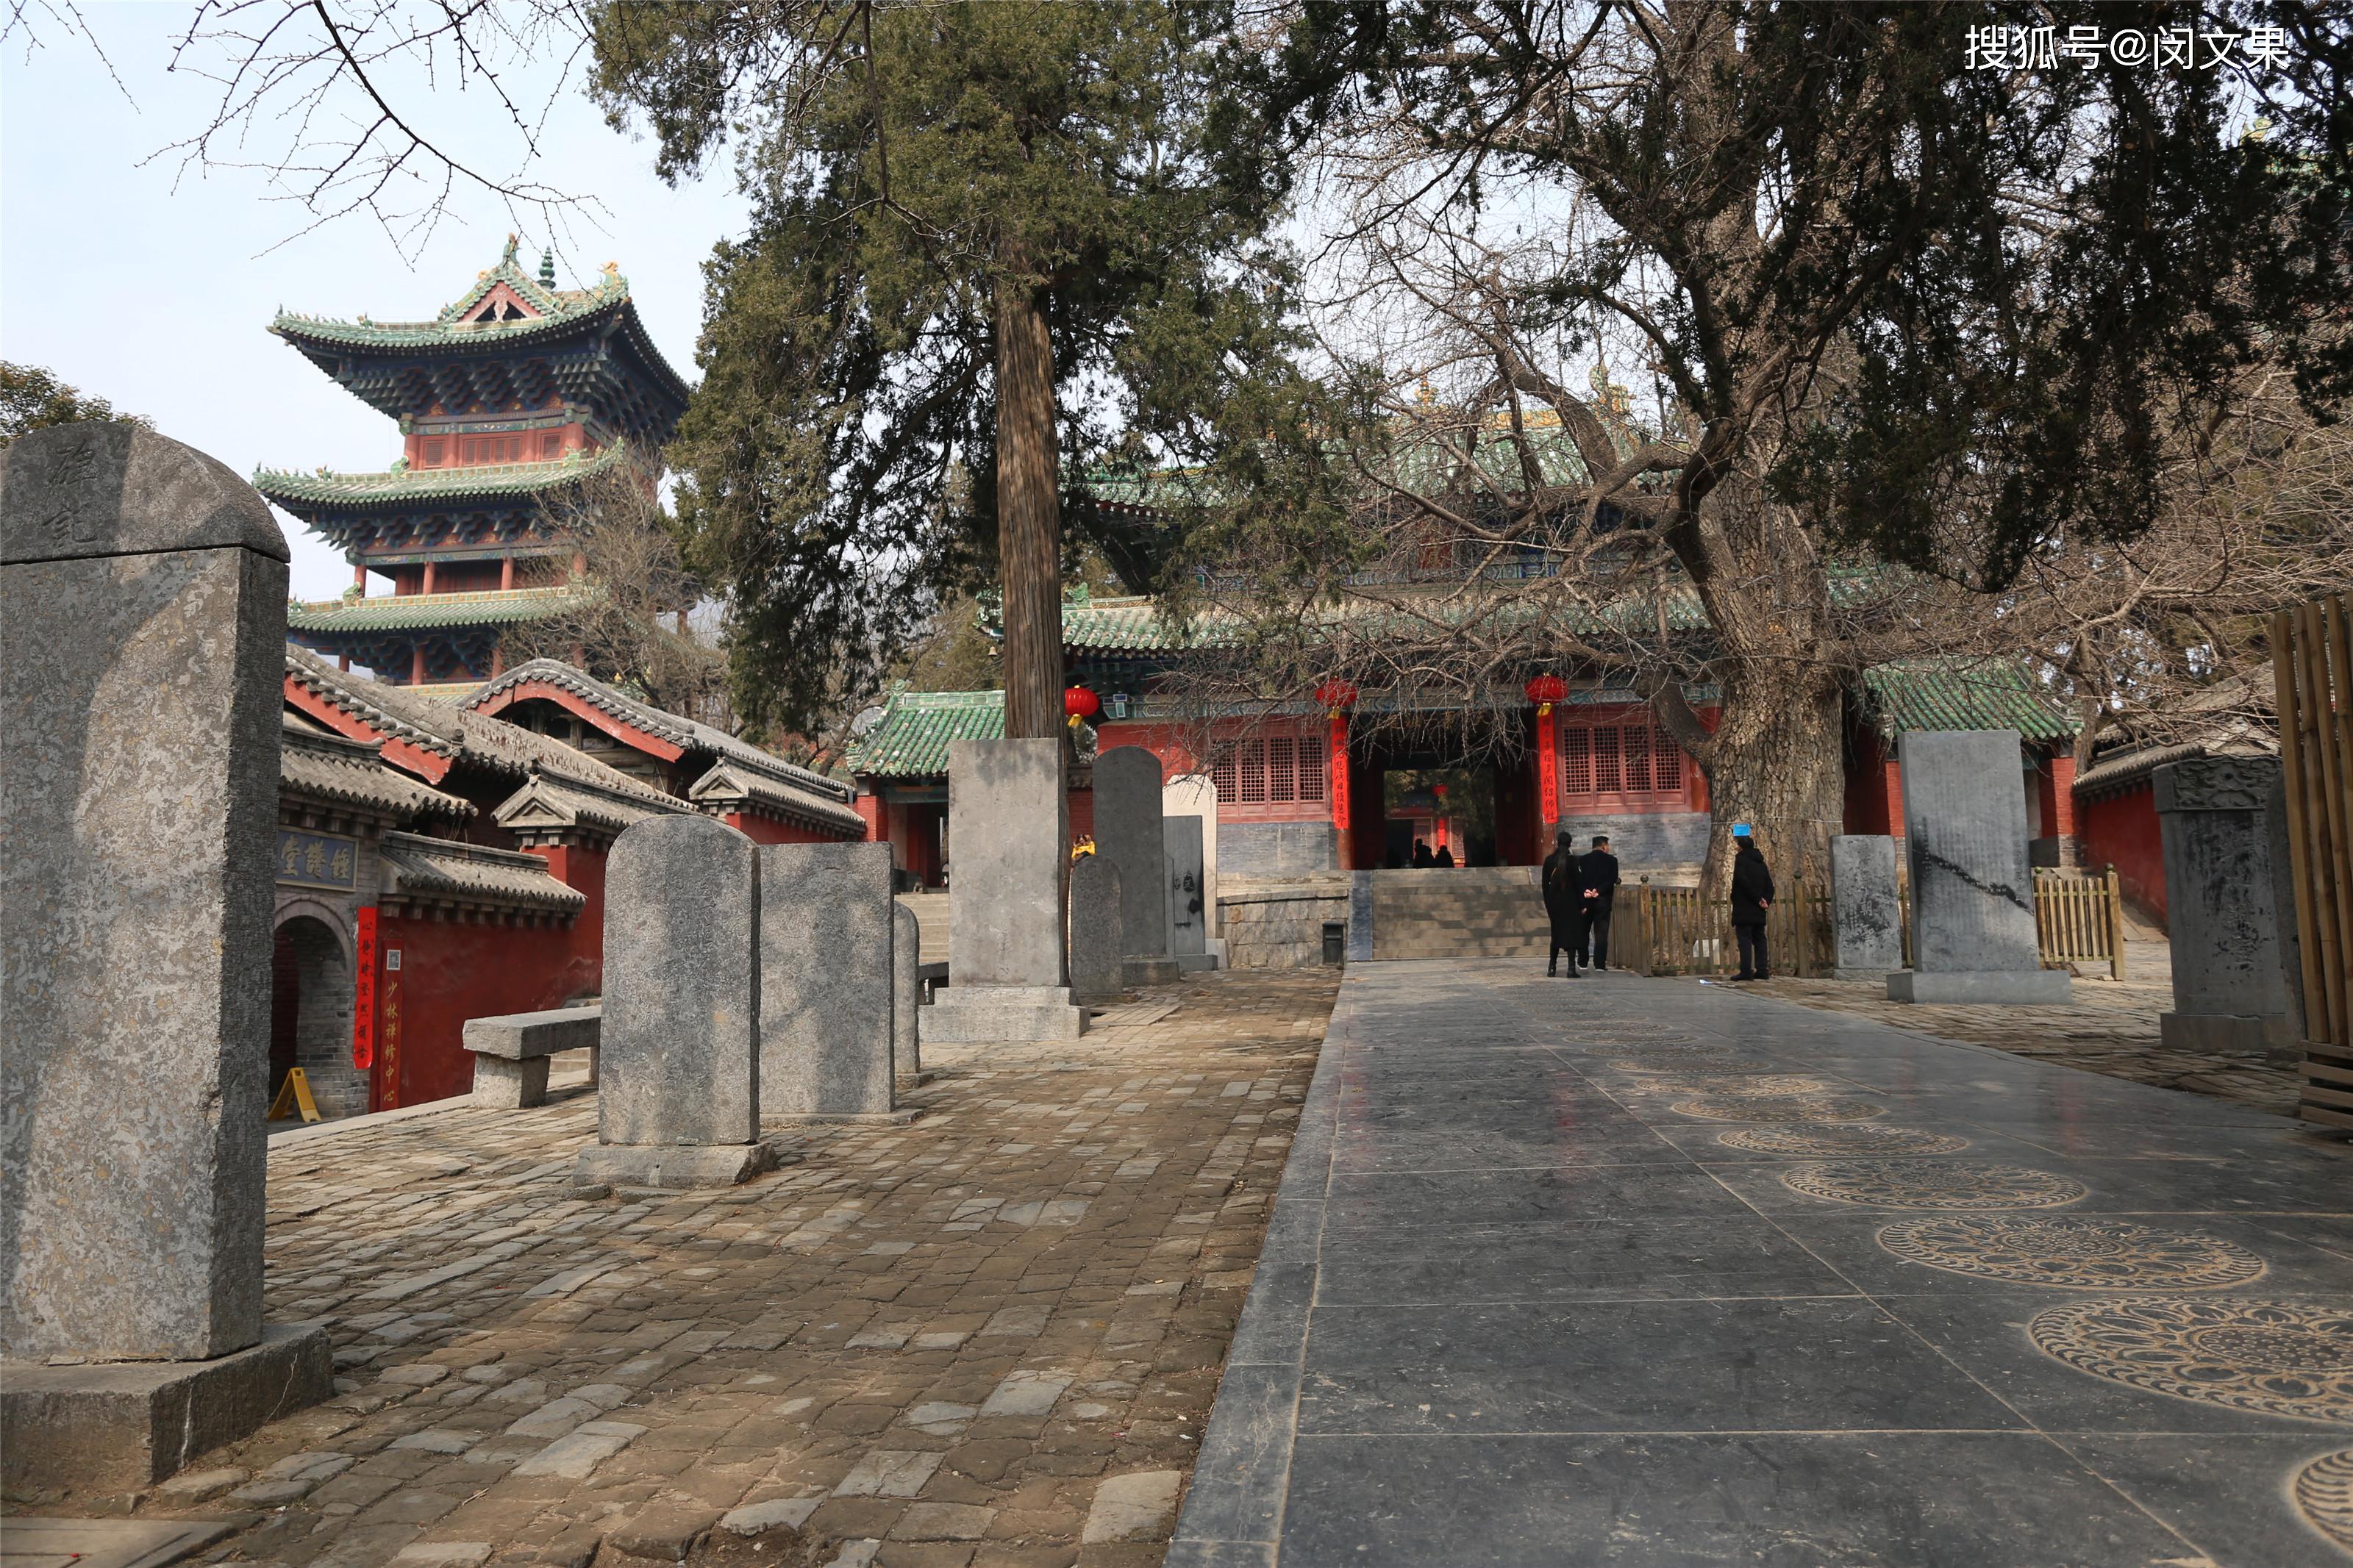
{"points": [[310, 1015]]}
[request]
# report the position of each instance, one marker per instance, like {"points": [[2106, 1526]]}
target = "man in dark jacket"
{"points": [[1561, 889], [1752, 895], [1597, 880]]}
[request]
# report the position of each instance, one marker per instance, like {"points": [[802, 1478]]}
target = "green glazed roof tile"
{"points": [[1956, 694], [289, 489], [910, 738], [419, 612]]}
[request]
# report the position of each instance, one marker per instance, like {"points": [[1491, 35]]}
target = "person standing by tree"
{"points": [[1752, 895], [1597, 875], [1561, 889]]}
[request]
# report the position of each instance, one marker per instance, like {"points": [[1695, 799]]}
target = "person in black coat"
{"points": [[1597, 878], [1422, 861], [1445, 856], [1752, 895], [1561, 890]]}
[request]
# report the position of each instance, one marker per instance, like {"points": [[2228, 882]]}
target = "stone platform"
{"points": [[1647, 1272]]}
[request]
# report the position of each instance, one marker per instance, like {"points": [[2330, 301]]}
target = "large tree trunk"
{"points": [[1028, 512], [1777, 762]]}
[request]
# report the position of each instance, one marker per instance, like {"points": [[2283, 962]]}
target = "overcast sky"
{"points": [[158, 299]]}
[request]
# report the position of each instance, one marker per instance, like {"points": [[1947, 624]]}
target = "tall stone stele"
{"points": [[1866, 908], [677, 1092], [906, 994], [142, 622], [2229, 907], [1009, 869], [828, 985], [1098, 930], [1188, 914], [1965, 834], [1131, 833]]}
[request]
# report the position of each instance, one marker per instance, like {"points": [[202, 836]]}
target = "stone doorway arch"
{"points": [[311, 1014]]}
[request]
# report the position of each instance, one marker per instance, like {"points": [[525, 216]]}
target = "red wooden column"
{"points": [[417, 664]]}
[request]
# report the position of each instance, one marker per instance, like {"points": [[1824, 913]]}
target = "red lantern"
{"points": [[1080, 704], [1544, 690], [1336, 695]]}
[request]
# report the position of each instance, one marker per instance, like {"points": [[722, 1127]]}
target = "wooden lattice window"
{"points": [[1621, 760], [1576, 746], [1221, 775], [1253, 772], [1277, 769], [1310, 770], [1668, 772], [1637, 748]]}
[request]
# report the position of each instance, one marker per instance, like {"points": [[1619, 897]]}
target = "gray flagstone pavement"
{"points": [[1646, 1272]]}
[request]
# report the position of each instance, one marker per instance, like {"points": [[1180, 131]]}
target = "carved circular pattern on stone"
{"points": [[2275, 1356], [1753, 1086], [2323, 1494], [1932, 1184], [1789, 1108], [1693, 1062], [2102, 1253], [1865, 1140]]}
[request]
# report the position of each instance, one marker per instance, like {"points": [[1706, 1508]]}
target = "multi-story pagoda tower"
{"points": [[508, 399]]}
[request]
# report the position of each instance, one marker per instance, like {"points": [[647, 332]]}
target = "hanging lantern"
{"points": [[1544, 690], [1080, 704], [1336, 695]]}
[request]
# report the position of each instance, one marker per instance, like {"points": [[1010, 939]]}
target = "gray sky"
{"points": [[158, 299]]}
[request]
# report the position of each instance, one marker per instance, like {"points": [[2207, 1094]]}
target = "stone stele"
{"points": [[143, 619], [1098, 930], [827, 921], [1008, 868], [906, 993], [1129, 833], [1189, 915], [2230, 908], [1866, 915], [1972, 892], [678, 1096]]}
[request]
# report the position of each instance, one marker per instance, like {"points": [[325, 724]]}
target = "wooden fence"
{"points": [[2078, 919], [2312, 662]]}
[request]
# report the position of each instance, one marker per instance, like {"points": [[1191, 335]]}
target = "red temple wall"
{"points": [[2120, 830], [449, 972], [769, 830]]}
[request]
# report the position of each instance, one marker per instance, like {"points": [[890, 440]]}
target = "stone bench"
{"points": [[511, 1052]]}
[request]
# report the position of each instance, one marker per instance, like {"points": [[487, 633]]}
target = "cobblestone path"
{"points": [[987, 1339]]}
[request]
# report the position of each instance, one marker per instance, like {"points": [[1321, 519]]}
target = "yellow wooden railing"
{"points": [[2078, 919]]}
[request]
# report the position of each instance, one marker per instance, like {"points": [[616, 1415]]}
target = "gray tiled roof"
{"points": [[679, 731], [442, 870], [321, 765], [730, 786]]}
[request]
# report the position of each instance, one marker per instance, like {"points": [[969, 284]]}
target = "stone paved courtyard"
{"points": [[986, 1339], [2111, 1029], [1646, 1273]]}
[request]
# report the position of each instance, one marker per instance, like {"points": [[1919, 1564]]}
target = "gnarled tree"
{"points": [[1894, 305]]}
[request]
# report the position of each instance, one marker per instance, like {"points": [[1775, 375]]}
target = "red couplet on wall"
{"points": [[1336, 771], [1547, 761], [363, 995]]}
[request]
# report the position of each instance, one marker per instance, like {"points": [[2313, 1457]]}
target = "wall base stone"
{"points": [[123, 1426], [672, 1165], [1134, 971], [2273, 1033], [1983, 987], [984, 1014]]}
